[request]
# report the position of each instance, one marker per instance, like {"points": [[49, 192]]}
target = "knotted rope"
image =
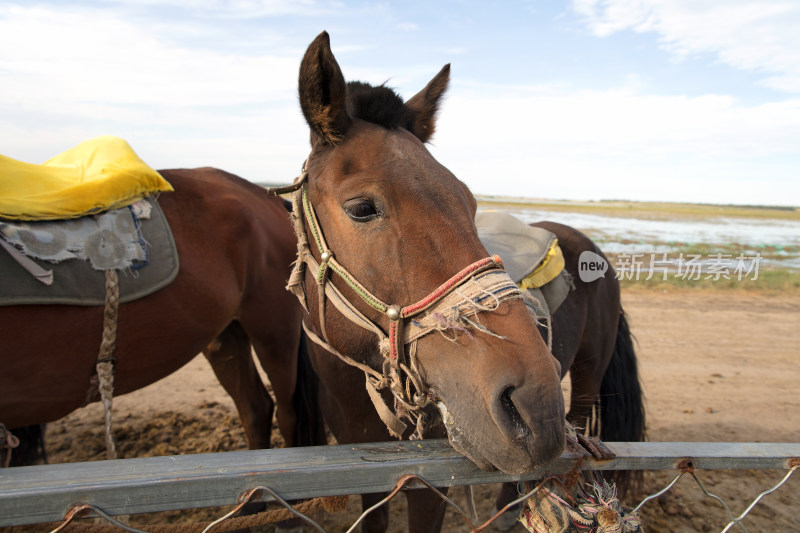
{"points": [[9, 442], [105, 358]]}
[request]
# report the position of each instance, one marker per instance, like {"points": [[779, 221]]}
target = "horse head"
{"points": [[397, 282]]}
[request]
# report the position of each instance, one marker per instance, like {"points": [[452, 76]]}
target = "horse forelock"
{"points": [[379, 105]]}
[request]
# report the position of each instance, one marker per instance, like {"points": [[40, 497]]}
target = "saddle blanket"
{"points": [[531, 257], [97, 175], [108, 241], [38, 259]]}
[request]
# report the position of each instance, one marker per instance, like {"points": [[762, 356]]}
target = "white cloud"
{"points": [[710, 146], [57, 57], [70, 74], [232, 9], [621, 144], [759, 36]]}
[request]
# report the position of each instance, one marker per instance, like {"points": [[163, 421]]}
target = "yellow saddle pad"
{"points": [[97, 175]]}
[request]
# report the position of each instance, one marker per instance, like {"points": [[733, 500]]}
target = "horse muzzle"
{"points": [[512, 445]]}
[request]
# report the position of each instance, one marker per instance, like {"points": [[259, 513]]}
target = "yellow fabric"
{"points": [[97, 175], [550, 267]]}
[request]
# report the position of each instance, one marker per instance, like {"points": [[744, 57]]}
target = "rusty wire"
{"points": [[688, 468], [738, 519], [257, 493], [84, 510], [254, 494]]}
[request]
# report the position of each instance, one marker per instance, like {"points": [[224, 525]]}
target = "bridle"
{"points": [[480, 286]]}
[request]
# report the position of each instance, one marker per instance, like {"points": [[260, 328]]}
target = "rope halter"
{"points": [[480, 286]]}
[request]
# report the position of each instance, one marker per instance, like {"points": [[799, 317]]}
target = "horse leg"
{"points": [[508, 493], [278, 358], [614, 393], [425, 511], [608, 383], [273, 323], [233, 364], [296, 387], [377, 521], [585, 377]]}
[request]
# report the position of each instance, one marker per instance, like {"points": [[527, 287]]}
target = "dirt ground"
{"points": [[716, 366]]}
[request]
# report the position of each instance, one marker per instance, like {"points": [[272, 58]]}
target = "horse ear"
{"points": [[323, 92], [424, 105]]}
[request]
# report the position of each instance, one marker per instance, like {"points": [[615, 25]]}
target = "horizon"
{"points": [[585, 100]]}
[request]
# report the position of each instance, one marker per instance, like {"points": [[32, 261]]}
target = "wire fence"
{"points": [[63, 494]]}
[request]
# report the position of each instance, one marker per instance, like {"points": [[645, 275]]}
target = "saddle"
{"points": [[531, 257], [93, 203]]}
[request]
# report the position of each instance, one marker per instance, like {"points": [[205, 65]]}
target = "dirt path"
{"points": [[716, 366], [720, 366]]}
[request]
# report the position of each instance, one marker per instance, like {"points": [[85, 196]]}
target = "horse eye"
{"points": [[361, 210]]}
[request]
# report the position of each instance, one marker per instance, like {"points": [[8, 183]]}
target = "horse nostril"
{"points": [[505, 398], [520, 429]]}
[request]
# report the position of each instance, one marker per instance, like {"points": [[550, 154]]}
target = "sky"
{"points": [[666, 100]]}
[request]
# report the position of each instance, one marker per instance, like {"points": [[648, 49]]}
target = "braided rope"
{"points": [[488, 262], [312, 222], [393, 338], [105, 358], [365, 295]]}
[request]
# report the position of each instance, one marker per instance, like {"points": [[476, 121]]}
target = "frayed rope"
{"points": [[588, 506]]}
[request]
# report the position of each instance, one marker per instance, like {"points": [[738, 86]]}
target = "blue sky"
{"points": [[677, 100]]}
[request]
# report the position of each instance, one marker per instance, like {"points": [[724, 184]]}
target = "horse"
{"points": [[414, 329], [382, 224], [235, 246]]}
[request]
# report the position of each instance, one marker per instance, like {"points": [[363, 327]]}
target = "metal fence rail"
{"points": [[128, 486]]}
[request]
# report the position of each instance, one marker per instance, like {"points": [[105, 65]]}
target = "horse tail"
{"points": [[622, 414], [31, 446], [310, 425]]}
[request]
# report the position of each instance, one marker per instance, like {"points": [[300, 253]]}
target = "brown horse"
{"points": [[399, 225], [390, 233], [235, 244]]}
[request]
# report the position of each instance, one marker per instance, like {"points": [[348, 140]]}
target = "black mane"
{"points": [[379, 105]]}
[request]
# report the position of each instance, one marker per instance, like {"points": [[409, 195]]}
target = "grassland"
{"points": [[771, 279], [653, 210]]}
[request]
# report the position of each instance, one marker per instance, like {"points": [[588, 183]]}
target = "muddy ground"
{"points": [[716, 366]]}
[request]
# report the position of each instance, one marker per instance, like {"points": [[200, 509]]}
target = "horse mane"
{"points": [[378, 104]]}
